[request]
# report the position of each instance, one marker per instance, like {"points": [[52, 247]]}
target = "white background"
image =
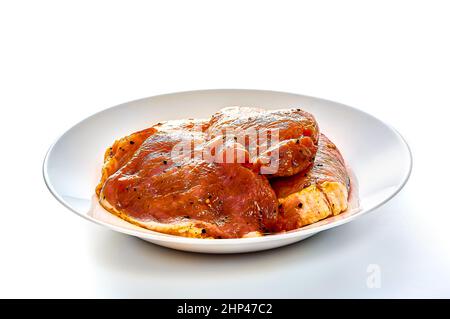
{"points": [[60, 62]]}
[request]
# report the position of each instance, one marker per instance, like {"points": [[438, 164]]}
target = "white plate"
{"points": [[377, 154]]}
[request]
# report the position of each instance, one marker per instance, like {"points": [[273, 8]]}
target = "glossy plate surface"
{"points": [[377, 154]]}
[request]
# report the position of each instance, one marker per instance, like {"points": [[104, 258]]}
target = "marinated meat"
{"points": [[147, 182], [188, 197], [316, 193], [297, 134]]}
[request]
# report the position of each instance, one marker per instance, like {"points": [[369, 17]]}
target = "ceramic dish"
{"points": [[379, 158]]}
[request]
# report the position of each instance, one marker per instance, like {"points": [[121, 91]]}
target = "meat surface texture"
{"points": [[297, 133], [318, 192], [148, 184], [191, 197]]}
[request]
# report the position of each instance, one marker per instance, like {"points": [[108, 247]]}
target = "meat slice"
{"points": [[296, 130], [187, 196], [316, 193]]}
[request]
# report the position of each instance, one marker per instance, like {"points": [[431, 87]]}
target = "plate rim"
{"points": [[156, 236]]}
